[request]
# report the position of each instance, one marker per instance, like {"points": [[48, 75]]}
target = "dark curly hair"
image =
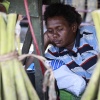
{"points": [[67, 11]]}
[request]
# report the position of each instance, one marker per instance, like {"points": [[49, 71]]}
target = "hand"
{"points": [[47, 40]]}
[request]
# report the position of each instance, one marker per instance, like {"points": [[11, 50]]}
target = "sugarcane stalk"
{"points": [[96, 20], [99, 90], [0, 32], [0, 63], [15, 82], [11, 30], [3, 35], [6, 68], [19, 82], [0, 81], [92, 88], [2, 42], [8, 84], [4, 16], [30, 90]]}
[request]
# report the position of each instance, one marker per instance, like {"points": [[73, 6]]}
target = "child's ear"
{"points": [[74, 27]]}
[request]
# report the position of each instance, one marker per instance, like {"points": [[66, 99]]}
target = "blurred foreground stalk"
{"points": [[92, 91], [14, 82]]}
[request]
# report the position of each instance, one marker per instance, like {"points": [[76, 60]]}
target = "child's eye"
{"points": [[50, 31], [60, 29]]}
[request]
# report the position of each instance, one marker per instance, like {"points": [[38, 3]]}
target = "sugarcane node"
{"points": [[8, 56], [15, 54]]}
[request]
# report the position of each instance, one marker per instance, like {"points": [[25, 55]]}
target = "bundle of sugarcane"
{"points": [[92, 91], [49, 80], [14, 82]]}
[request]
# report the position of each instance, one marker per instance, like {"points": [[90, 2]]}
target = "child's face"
{"points": [[60, 32]]}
